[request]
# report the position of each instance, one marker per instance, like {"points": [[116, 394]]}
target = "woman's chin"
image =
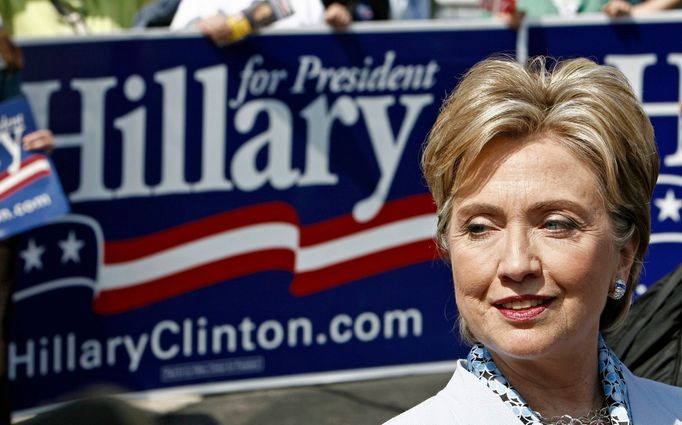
{"points": [[529, 344]]}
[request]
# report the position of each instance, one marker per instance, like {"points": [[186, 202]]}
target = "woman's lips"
{"points": [[522, 308]]}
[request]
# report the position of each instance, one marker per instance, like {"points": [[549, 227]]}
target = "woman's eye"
{"points": [[476, 228], [559, 225]]}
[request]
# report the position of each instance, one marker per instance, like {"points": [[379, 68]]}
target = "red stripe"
{"points": [[125, 299], [369, 265], [342, 226], [31, 159], [132, 249], [23, 183]]}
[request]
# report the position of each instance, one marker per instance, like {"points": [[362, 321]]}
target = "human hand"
{"points": [[216, 28], [512, 19], [615, 8], [37, 140], [337, 16]]}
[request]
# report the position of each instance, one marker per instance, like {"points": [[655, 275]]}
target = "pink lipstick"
{"points": [[521, 308]]}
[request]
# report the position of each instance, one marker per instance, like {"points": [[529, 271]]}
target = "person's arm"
{"points": [[217, 28], [39, 140], [616, 8], [655, 6], [506, 11], [512, 19], [337, 15], [223, 30]]}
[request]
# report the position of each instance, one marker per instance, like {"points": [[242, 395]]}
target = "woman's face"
{"points": [[532, 251]]}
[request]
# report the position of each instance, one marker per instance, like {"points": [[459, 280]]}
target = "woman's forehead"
{"points": [[531, 165]]}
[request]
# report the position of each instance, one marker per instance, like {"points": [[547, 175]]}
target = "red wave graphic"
{"points": [[303, 284], [144, 293], [369, 265], [344, 225], [133, 249], [23, 183]]}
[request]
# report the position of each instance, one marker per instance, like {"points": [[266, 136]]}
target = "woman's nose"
{"points": [[518, 259]]}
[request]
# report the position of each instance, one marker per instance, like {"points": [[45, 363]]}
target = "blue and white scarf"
{"points": [[481, 365]]}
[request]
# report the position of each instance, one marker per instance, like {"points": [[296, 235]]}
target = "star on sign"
{"points": [[669, 207], [31, 256], [71, 248]]}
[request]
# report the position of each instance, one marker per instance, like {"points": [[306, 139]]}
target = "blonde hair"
{"points": [[589, 108]]}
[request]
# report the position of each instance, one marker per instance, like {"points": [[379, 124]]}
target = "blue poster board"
{"points": [[30, 192], [256, 214], [239, 214]]}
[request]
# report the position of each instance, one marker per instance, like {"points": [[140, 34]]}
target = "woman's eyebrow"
{"points": [[473, 208], [560, 204], [468, 209]]}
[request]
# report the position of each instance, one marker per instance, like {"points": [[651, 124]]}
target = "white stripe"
{"points": [[196, 253], [669, 237], [662, 109], [522, 44], [52, 285], [669, 179], [366, 242], [24, 173]]}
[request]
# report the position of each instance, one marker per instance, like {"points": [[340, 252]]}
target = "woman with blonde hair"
{"points": [[542, 176]]}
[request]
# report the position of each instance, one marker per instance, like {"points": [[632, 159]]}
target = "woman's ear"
{"points": [[627, 257]]}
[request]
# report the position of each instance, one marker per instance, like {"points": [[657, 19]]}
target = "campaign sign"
{"points": [[249, 215], [30, 192], [648, 51]]}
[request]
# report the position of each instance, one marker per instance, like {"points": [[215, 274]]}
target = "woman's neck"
{"points": [[567, 385]]}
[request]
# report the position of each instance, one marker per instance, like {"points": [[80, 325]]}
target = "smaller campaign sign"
{"points": [[30, 191]]}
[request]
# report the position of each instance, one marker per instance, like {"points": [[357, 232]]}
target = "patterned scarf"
{"points": [[481, 364]]}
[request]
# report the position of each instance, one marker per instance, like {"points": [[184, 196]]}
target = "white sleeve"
{"points": [[190, 11], [306, 13]]}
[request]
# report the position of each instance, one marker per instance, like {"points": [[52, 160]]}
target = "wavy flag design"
{"points": [[137, 272], [32, 168]]}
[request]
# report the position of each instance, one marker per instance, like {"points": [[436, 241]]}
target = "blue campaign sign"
{"points": [[240, 215], [30, 192], [649, 52]]}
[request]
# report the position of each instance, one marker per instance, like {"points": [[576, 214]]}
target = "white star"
{"points": [[31, 256], [71, 248], [669, 207]]}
